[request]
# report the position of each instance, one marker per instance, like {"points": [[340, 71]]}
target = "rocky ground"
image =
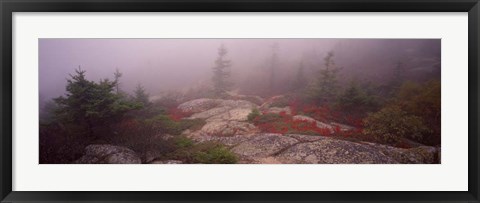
{"points": [[227, 123]]}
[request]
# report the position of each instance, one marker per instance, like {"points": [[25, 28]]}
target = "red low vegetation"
{"points": [[285, 124], [325, 113], [177, 114]]}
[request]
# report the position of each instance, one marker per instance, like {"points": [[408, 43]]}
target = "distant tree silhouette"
{"points": [[117, 75], [141, 96], [273, 68], [325, 88], [300, 80], [398, 77], [354, 99], [221, 73]]}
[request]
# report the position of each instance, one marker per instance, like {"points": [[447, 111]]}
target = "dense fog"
{"points": [[177, 64]]}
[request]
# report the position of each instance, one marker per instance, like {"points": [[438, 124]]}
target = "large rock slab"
{"points": [[263, 145], [237, 104], [200, 105], [227, 128], [108, 154], [332, 151], [305, 138], [223, 113], [236, 114], [311, 120], [272, 148], [279, 110], [223, 117], [210, 113], [227, 141], [417, 155], [275, 100]]}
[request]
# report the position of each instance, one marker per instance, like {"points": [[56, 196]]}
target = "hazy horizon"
{"points": [[175, 64]]}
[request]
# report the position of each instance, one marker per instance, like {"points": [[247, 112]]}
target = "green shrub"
{"points": [[140, 138], [183, 142], [147, 112], [391, 123], [267, 118], [162, 124], [254, 114], [217, 154], [192, 124], [423, 100], [165, 125], [147, 136], [205, 152]]}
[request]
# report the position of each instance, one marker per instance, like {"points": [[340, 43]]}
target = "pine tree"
{"points": [[325, 88], [273, 68], [353, 98], [398, 77], [117, 75], [221, 73], [90, 104], [141, 96], [300, 81]]}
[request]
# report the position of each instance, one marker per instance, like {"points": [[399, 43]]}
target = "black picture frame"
{"points": [[7, 8]]}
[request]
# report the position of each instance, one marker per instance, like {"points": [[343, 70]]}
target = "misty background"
{"points": [[163, 65]]}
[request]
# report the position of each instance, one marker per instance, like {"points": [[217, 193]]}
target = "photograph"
{"points": [[239, 100]]}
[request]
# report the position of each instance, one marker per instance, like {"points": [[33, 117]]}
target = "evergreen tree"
{"points": [[300, 81], [90, 104], [355, 99], [352, 97], [141, 96], [324, 90], [117, 75], [221, 73], [273, 68], [398, 77]]}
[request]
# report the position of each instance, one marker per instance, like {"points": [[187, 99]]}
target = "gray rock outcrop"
{"points": [[108, 154]]}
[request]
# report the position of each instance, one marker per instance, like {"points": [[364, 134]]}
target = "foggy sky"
{"points": [[165, 64]]}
